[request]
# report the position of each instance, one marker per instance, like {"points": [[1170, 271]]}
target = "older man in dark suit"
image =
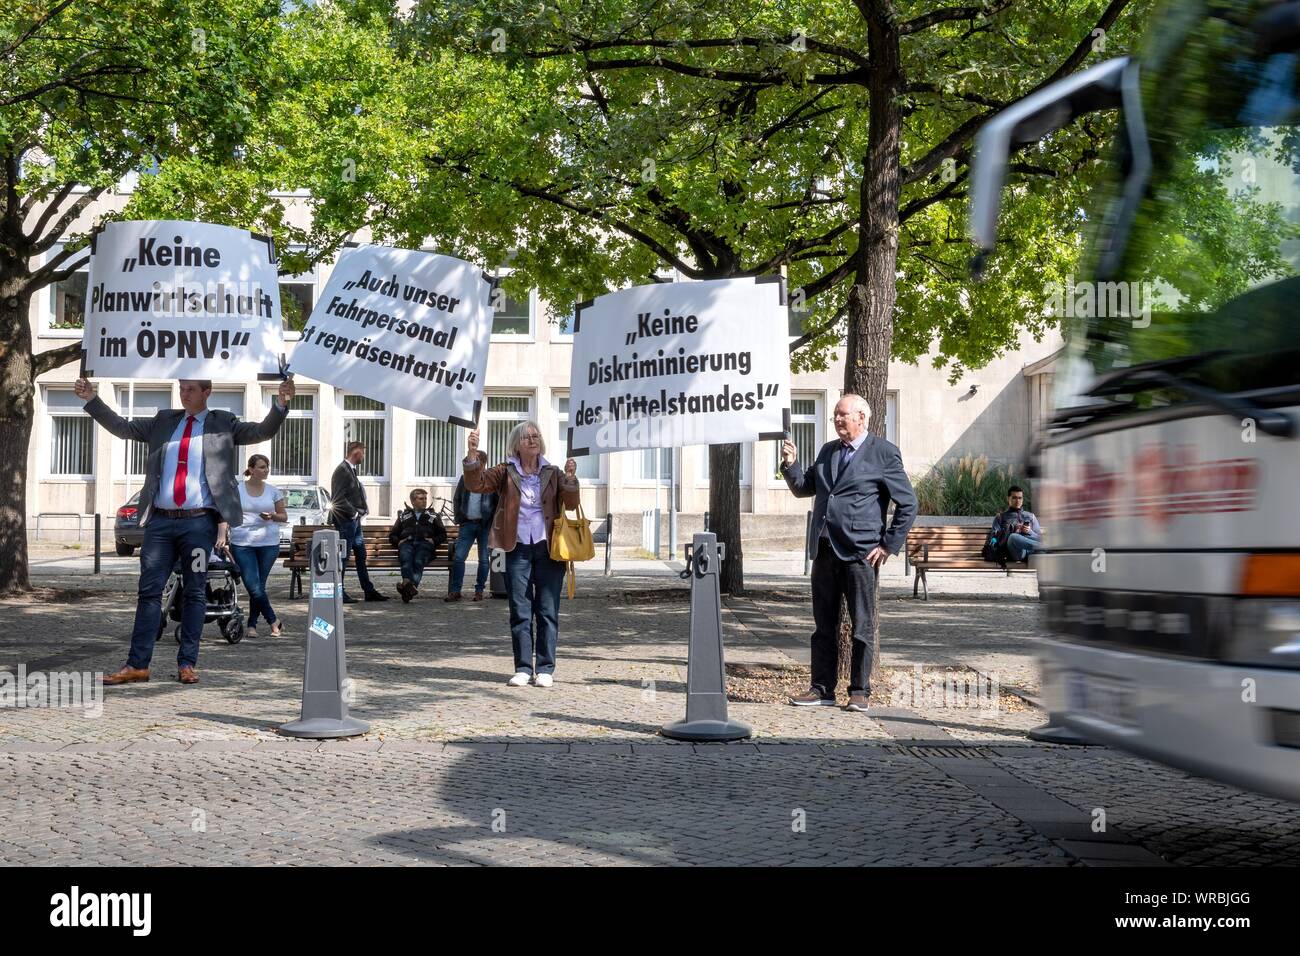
{"points": [[853, 479], [189, 489]]}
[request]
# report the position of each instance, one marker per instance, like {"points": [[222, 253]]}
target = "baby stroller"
{"points": [[221, 595]]}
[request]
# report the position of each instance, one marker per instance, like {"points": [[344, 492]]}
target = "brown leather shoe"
{"points": [[187, 675], [452, 596], [478, 595], [127, 675], [812, 698], [857, 702]]}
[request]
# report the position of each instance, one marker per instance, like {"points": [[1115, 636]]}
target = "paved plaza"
{"points": [[458, 768]]}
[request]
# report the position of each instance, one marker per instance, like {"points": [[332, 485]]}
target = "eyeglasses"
{"points": [[530, 437]]}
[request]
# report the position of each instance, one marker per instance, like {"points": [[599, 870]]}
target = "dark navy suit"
{"points": [[849, 520]]}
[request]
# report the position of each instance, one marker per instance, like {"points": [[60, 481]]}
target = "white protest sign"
{"points": [[173, 299], [682, 363], [405, 328]]}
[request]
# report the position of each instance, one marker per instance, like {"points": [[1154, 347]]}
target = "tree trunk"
{"points": [[874, 293], [724, 514], [16, 410]]}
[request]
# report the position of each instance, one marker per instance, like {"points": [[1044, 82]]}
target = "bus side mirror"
{"points": [[1026, 121]]}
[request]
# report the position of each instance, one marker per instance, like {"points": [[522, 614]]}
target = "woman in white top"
{"points": [[256, 542]]}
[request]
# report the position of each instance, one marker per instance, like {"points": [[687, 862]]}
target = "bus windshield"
{"points": [[1209, 269]]}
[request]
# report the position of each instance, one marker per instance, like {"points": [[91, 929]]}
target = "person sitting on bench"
{"points": [[1018, 528], [418, 533]]}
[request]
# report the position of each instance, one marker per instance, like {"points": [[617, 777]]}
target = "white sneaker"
{"points": [[543, 680], [519, 680]]}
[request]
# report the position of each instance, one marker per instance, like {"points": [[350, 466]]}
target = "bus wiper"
{"points": [[1166, 373], [1071, 417]]}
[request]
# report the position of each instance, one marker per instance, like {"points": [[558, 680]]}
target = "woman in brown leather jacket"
{"points": [[533, 493]]}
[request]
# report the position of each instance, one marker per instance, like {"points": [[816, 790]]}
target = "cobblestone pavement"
{"points": [[459, 769]]}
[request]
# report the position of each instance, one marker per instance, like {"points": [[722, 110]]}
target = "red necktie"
{"points": [[182, 464]]}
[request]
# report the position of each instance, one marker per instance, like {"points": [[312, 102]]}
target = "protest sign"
{"points": [[683, 363], [173, 299], [405, 328]]}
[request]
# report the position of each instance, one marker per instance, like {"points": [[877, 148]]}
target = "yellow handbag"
{"points": [[571, 541]]}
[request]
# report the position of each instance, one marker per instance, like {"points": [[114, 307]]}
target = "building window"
{"points": [[745, 456], [293, 449], [646, 464], [227, 400], [562, 327], [511, 316], [891, 417], [148, 402], [72, 435], [805, 432], [67, 299], [439, 448], [588, 465], [366, 420], [504, 412], [297, 299]]}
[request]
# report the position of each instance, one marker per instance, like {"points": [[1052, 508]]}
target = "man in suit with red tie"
{"points": [[189, 490], [853, 480]]}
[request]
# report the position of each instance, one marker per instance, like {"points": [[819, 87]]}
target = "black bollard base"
{"points": [[711, 731], [325, 727]]}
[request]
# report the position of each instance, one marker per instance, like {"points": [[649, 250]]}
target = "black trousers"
{"points": [[856, 581]]}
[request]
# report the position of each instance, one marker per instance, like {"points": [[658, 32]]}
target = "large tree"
{"points": [[92, 91], [827, 139]]}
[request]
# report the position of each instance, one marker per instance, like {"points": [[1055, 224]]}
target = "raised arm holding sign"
{"points": [[190, 493]]}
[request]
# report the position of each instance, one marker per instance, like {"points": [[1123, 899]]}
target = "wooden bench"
{"points": [[952, 548], [380, 555]]}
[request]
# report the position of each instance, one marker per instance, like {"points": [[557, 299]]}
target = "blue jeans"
{"points": [[350, 534], [1020, 546], [166, 541], [255, 565], [535, 582], [414, 556], [470, 532]]}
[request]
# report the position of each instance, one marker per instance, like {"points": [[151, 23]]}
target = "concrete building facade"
{"points": [[75, 468]]}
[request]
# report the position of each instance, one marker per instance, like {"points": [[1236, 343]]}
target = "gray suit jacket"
{"points": [[222, 431], [852, 505]]}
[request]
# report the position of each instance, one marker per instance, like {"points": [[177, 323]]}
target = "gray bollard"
{"points": [[706, 687], [324, 711]]}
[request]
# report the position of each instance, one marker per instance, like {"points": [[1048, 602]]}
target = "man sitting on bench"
{"points": [[418, 533], [1018, 528]]}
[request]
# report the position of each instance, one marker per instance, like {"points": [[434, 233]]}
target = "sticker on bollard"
{"points": [[706, 686], [324, 711]]}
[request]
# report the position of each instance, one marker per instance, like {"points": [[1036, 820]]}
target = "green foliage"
{"points": [[597, 143], [94, 90], [967, 486]]}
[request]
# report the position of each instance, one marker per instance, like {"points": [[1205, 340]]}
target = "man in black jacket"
{"points": [[347, 507], [418, 533], [473, 513], [853, 481]]}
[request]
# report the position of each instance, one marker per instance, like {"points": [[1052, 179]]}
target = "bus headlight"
{"points": [[1265, 632]]}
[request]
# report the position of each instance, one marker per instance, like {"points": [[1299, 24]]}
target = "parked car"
{"points": [[305, 504], [127, 532]]}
